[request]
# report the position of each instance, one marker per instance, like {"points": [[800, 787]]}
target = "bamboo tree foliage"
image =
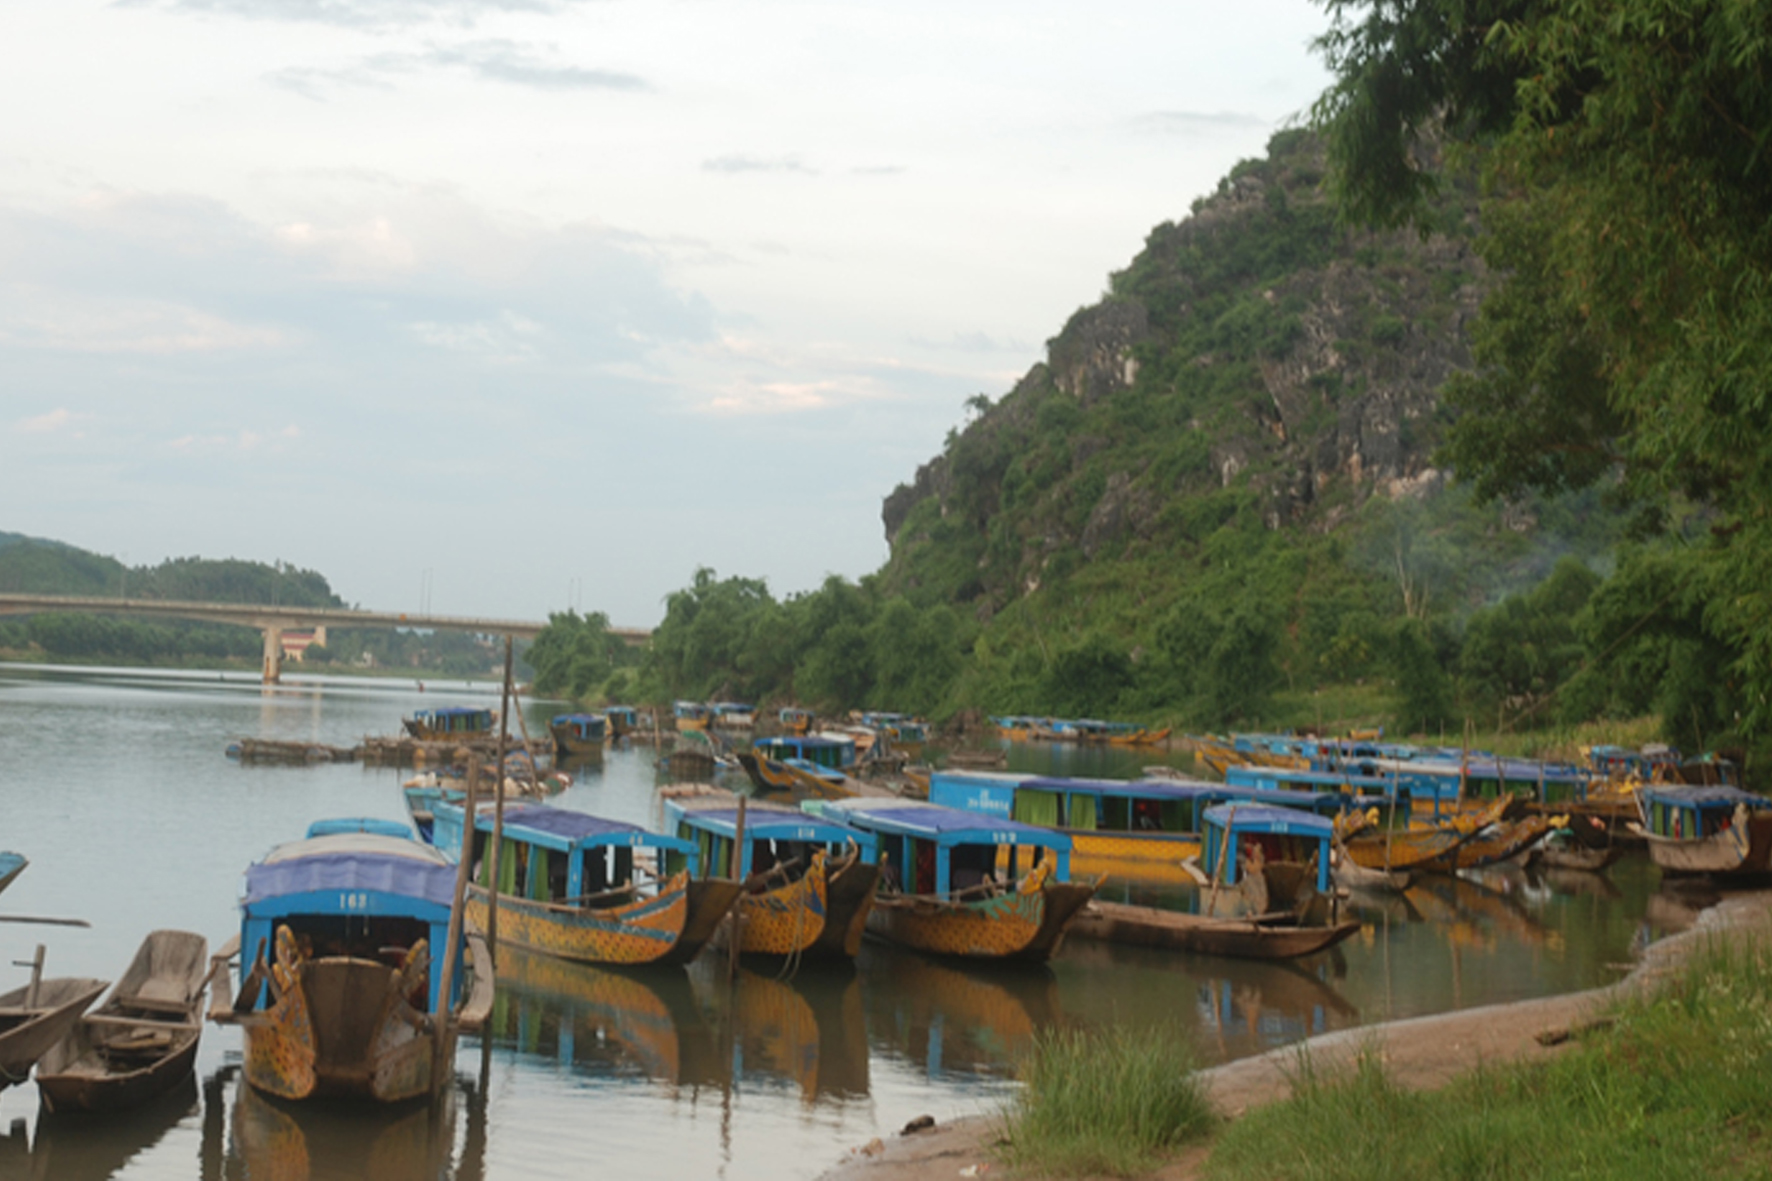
{"points": [[1623, 145]]}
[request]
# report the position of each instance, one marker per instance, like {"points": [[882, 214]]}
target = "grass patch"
{"points": [[1112, 1103], [1675, 1088]]}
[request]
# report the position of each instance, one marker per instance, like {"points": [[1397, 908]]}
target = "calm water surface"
{"points": [[117, 789]]}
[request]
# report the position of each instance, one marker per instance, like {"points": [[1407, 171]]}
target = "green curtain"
{"points": [[1037, 807], [1082, 811], [538, 874], [507, 867]]}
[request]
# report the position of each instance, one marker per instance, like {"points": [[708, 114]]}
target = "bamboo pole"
{"points": [[734, 864], [1218, 871], [446, 983], [498, 813]]}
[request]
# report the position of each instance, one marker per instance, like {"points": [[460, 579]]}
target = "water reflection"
{"points": [[274, 1141], [82, 1146], [702, 1029], [951, 1018]]}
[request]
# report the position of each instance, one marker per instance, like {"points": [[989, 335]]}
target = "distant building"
{"points": [[296, 643]]}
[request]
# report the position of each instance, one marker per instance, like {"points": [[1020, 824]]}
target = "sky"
{"points": [[505, 307]]}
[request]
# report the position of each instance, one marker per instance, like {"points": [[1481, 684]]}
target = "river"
{"points": [[118, 790]]}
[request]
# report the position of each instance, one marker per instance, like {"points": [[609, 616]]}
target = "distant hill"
{"points": [[34, 566]]}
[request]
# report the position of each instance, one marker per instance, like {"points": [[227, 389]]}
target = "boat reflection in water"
{"points": [[319, 1142], [79, 1147], [954, 1017], [695, 1029]]}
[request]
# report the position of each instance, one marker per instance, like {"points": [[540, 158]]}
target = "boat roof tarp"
{"points": [[1267, 818], [948, 826], [1709, 796], [352, 862], [771, 824], [563, 828]]}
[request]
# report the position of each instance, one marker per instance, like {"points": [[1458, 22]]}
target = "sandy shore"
{"points": [[1422, 1052]]}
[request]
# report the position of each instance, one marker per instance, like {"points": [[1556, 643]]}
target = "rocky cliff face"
{"points": [[1254, 346]]}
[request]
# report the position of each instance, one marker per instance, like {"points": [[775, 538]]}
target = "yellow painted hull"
{"points": [[668, 928], [784, 921]]}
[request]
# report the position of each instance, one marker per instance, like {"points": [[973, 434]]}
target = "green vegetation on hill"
{"points": [[32, 566]]}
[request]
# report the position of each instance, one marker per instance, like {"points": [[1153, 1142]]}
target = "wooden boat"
{"points": [[691, 715], [1265, 937], [1498, 842], [1720, 830], [1142, 830], [578, 886], [11, 865], [455, 723], [1392, 849], [1348, 874], [578, 734], [782, 762], [621, 719], [732, 715], [1278, 857], [795, 720], [340, 989], [940, 890], [34, 1018], [142, 1041], [809, 881], [1572, 855]]}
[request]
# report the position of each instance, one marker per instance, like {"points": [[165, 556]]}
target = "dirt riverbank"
{"points": [[1422, 1052]]}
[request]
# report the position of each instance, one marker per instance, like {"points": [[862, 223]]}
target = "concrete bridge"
{"points": [[273, 621]]}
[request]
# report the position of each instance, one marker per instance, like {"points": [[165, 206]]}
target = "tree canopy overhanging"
{"points": [[1622, 148]]}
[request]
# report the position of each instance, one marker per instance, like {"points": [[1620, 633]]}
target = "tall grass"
{"points": [[1110, 1103], [1676, 1088]]}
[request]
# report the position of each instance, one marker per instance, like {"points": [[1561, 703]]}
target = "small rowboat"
{"points": [[37, 1016], [142, 1041], [1278, 936]]}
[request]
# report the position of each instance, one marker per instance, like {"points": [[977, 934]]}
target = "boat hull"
{"points": [[849, 898], [786, 920], [1145, 926], [1155, 858], [1744, 849], [668, 928], [1026, 925], [29, 1033], [341, 1029]]}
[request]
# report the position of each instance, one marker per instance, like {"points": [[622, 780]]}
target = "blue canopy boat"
{"points": [[342, 992], [809, 881], [1141, 830], [1717, 830], [452, 723], [940, 886], [1289, 848], [800, 762], [585, 888], [578, 734]]}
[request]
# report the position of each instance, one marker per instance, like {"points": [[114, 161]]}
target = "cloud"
{"points": [[879, 170], [507, 62], [1196, 122], [972, 342], [356, 13], [395, 275], [738, 164], [244, 440], [43, 424]]}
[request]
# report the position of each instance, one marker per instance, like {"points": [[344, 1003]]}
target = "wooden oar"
{"points": [[37, 918]]}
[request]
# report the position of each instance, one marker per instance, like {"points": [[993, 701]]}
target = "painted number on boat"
{"points": [[353, 901], [1003, 838]]}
